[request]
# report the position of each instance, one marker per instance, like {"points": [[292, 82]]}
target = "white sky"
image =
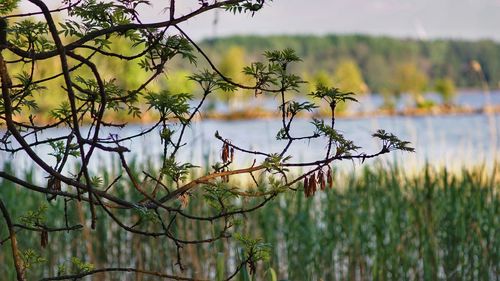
{"points": [[464, 19]]}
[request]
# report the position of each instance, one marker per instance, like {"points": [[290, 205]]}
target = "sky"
{"points": [[423, 19]]}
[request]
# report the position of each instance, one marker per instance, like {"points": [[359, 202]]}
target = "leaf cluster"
{"points": [[61, 113], [344, 146], [210, 81], [31, 258], [146, 215], [22, 97], [81, 266], [391, 142], [176, 171], [60, 149], [275, 162], [167, 103], [333, 95], [245, 6], [254, 250], [163, 49], [275, 73], [32, 35], [220, 196], [36, 217], [93, 15]]}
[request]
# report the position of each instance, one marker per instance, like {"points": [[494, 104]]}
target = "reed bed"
{"points": [[377, 223], [382, 225]]}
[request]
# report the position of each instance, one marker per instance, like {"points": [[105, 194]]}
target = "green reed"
{"points": [[375, 224], [383, 225]]}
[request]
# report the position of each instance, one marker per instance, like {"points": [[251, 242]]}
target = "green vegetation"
{"points": [[231, 65], [379, 58], [348, 77], [357, 63], [409, 79], [377, 224], [446, 89], [390, 67]]}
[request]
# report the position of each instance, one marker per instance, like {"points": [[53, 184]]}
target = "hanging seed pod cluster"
{"points": [[318, 180]]}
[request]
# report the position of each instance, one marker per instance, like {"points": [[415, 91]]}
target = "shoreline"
{"points": [[255, 113]]}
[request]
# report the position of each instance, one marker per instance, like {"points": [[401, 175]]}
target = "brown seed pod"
{"points": [[57, 185], [312, 184], [232, 154], [225, 152], [321, 180], [184, 198], [53, 184], [44, 238], [329, 178], [306, 187]]}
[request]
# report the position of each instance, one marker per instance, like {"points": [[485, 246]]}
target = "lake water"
{"points": [[468, 98], [452, 141]]}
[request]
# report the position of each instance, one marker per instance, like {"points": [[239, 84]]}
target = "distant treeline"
{"points": [[380, 58]]}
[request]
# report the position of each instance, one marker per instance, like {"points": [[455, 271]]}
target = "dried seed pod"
{"points": [[321, 180], [53, 184], [329, 178], [306, 187], [184, 198], [225, 152], [312, 184], [44, 238], [232, 154], [57, 185]]}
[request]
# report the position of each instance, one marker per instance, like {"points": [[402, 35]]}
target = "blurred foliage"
{"points": [[353, 63], [179, 82], [7, 6], [446, 89], [377, 57], [409, 79], [377, 223], [231, 65], [348, 77]]}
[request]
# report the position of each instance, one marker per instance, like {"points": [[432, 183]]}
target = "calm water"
{"points": [[452, 141]]}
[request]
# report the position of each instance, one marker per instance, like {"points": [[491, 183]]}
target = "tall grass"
{"points": [[376, 224], [381, 225]]}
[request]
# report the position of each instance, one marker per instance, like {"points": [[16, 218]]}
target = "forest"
{"points": [[380, 59]]}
